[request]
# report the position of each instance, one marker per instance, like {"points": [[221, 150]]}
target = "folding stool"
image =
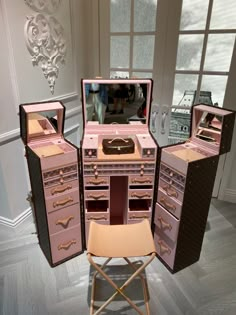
{"points": [[117, 241]]}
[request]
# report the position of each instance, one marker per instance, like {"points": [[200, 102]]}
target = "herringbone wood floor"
{"points": [[28, 285]]}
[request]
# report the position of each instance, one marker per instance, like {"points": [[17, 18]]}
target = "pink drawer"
{"points": [[66, 243], [61, 188], [140, 193], [62, 201], [165, 247], [169, 203], [139, 215], [170, 191], [166, 222], [96, 181], [97, 216], [97, 194], [64, 219], [59, 160], [87, 225], [141, 180]]}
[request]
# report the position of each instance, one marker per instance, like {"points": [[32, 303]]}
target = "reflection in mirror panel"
{"points": [[116, 101], [209, 127], [42, 123]]}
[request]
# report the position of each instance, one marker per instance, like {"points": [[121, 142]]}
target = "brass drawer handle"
{"points": [[167, 204], [62, 202], [97, 218], [60, 189], [134, 194], [163, 249], [133, 216], [96, 197], [67, 245], [96, 181], [65, 222], [141, 180], [164, 224], [170, 191]]}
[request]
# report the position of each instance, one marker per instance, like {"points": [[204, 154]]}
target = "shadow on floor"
{"points": [[119, 273]]}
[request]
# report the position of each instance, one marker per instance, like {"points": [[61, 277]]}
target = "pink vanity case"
{"points": [[186, 180], [117, 188], [54, 175]]}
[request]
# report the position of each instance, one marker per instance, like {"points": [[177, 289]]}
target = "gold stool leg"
{"points": [[118, 290]]}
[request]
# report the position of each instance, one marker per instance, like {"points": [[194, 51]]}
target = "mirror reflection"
{"points": [[116, 103], [42, 123], [209, 127]]}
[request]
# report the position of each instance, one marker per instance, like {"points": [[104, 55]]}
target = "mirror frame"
{"points": [[149, 83]]}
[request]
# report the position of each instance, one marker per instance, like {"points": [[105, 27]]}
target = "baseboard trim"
{"points": [[18, 220], [230, 195]]}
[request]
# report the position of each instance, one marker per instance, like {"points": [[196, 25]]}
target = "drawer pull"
{"points": [[167, 204], [134, 216], [60, 189], [141, 180], [67, 245], [65, 222], [62, 202], [163, 248], [96, 181], [134, 194], [164, 224], [97, 218], [96, 197], [170, 191]]}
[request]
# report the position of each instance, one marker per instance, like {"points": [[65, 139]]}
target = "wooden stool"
{"points": [[117, 241]]}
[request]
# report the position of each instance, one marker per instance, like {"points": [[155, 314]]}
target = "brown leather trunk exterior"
{"points": [[197, 197]]}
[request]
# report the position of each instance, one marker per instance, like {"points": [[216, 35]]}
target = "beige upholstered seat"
{"points": [[110, 241]]}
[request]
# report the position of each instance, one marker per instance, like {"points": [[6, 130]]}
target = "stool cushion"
{"points": [[129, 240]]}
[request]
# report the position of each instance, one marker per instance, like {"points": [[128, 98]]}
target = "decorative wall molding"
{"points": [[230, 195], [65, 98], [18, 220], [46, 43], [46, 6], [9, 136]]}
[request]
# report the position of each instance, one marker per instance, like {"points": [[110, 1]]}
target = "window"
{"points": [[132, 38], [205, 47]]}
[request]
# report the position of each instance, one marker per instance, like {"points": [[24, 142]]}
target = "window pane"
{"points": [[120, 51], [143, 52], [194, 14], [145, 15], [216, 85], [142, 75], [223, 14], [120, 15], [183, 82], [219, 52], [119, 74], [189, 52]]}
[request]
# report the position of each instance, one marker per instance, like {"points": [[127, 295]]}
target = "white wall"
{"points": [[21, 82]]}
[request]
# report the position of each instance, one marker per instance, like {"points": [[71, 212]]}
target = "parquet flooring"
{"points": [[28, 285]]}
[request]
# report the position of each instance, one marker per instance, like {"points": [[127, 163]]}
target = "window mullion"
{"points": [[204, 49]]}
